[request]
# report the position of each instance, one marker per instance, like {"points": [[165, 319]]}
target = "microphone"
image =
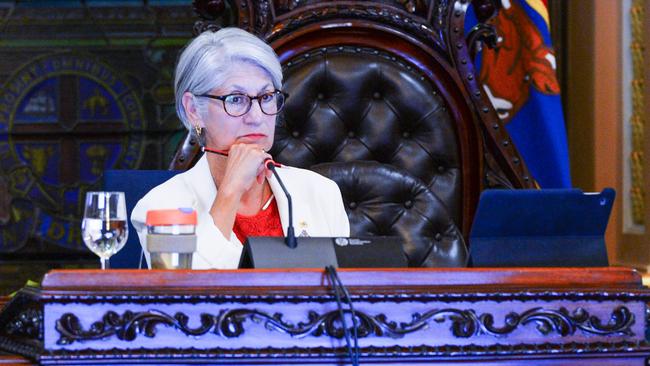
{"points": [[290, 239]]}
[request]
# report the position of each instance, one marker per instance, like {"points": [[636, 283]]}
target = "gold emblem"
{"points": [[95, 102], [38, 157], [97, 155]]}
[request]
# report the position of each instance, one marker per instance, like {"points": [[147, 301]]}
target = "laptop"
{"points": [[361, 252], [540, 228]]}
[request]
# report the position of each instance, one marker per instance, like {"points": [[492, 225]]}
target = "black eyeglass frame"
{"points": [[222, 98]]}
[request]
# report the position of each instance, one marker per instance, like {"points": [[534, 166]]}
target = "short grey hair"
{"points": [[206, 61]]}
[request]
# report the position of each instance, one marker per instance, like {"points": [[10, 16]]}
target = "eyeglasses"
{"points": [[237, 104]]}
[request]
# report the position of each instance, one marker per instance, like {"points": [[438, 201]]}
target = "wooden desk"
{"points": [[528, 316]]}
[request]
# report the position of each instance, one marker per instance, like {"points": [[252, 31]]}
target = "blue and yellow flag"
{"points": [[519, 78]]}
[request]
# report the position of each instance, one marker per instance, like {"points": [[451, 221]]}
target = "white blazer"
{"points": [[317, 210]]}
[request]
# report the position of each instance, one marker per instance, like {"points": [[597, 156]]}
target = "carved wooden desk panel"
{"points": [[477, 316]]}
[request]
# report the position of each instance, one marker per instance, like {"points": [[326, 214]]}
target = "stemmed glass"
{"points": [[104, 228]]}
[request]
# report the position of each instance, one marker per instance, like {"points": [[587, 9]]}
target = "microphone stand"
{"points": [[290, 239]]}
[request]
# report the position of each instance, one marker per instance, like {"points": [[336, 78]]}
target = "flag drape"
{"points": [[519, 77]]}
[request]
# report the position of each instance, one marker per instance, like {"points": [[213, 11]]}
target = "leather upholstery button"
{"points": [[406, 134], [352, 205], [351, 134], [438, 237], [320, 96], [408, 204], [441, 169], [376, 95], [295, 134]]}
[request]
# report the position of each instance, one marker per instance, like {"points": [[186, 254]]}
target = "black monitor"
{"points": [[366, 252]]}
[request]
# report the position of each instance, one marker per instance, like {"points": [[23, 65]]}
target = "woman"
{"points": [[228, 92]]}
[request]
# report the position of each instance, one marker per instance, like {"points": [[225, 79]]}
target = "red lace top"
{"points": [[265, 223]]}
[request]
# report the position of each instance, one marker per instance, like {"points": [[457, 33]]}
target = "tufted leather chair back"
{"points": [[383, 200], [350, 103], [383, 100]]}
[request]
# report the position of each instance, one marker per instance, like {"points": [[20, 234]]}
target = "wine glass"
{"points": [[104, 228]]}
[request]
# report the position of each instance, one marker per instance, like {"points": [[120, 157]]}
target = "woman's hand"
{"points": [[244, 168]]}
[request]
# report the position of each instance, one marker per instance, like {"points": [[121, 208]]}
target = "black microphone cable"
{"points": [[355, 325], [340, 289], [331, 272]]}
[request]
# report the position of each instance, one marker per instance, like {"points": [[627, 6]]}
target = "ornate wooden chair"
{"points": [[384, 100]]}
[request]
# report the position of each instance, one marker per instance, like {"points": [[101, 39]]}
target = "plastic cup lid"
{"points": [[175, 216]]}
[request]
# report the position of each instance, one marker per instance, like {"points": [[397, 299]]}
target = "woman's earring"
{"points": [[198, 129]]}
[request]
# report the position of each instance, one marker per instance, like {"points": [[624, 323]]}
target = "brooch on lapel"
{"points": [[303, 229]]}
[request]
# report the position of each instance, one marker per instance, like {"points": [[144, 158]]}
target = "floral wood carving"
{"points": [[230, 324], [28, 323]]}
